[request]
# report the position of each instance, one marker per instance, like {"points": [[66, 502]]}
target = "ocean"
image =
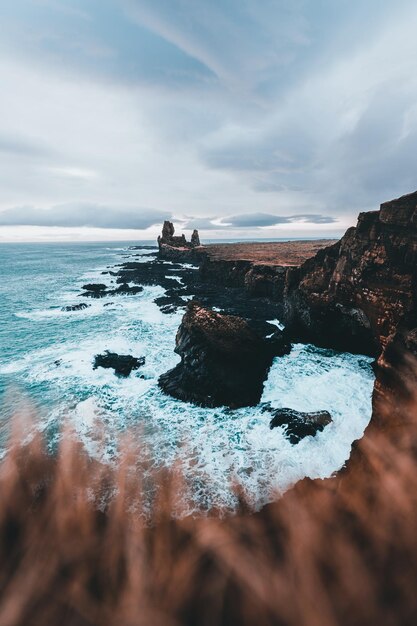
{"points": [[46, 360]]}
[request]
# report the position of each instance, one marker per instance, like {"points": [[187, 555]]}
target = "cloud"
{"points": [[82, 215], [262, 220], [97, 39], [237, 42], [16, 145], [284, 112], [253, 220]]}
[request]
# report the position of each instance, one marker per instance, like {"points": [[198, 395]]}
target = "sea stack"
{"points": [[224, 361], [176, 248]]}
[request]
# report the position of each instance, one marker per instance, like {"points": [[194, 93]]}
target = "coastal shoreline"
{"points": [[358, 294]]}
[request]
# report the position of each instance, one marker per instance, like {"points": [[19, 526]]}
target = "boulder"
{"points": [[298, 424], [75, 307], [100, 290], [223, 360], [94, 290], [122, 364], [126, 289]]}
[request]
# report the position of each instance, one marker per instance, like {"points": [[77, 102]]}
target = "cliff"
{"points": [[260, 268], [350, 295], [358, 294], [355, 294]]}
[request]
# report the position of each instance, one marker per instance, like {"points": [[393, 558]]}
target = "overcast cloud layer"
{"points": [[244, 118]]}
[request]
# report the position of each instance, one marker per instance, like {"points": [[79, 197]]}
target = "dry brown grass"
{"points": [[75, 549]]}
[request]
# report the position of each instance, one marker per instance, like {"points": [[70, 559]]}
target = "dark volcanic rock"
{"points": [[173, 247], [168, 232], [126, 289], [170, 302], [94, 290], [299, 425], [223, 360], [122, 364], [75, 307], [195, 239], [100, 290], [155, 272]]}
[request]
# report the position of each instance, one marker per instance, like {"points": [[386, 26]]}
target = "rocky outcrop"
{"points": [[94, 290], [351, 295], [355, 294], [259, 269], [224, 361], [297, 424], [122, 364], [100, 291], [176, 248], [195, 239], [75, 307], [358, 294], [168, 237]]}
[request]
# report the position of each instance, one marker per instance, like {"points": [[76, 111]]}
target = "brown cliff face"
{"points": [[354, 294], [358, 294], [258, 267]]}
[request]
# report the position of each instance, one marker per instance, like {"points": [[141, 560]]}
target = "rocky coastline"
{"points": [[358, 294]]}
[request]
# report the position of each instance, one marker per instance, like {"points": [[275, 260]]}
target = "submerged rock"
{"points": [[122, 364], [75, 307], [126, 289], [223, 360], [298, 424]]}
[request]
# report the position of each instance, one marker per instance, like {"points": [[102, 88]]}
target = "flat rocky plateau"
{"points": [[283, 253]]}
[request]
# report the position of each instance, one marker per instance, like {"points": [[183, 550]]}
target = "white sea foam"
{"points": [[95, 308], [213, 446], [277, 323]]}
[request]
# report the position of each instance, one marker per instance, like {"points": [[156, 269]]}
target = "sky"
{"points": [[242, 118]]}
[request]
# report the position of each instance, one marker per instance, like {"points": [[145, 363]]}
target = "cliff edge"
{"points": [[356, 293]]}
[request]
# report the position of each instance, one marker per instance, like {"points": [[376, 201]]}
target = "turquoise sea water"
{"points": [[46, 362]]}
